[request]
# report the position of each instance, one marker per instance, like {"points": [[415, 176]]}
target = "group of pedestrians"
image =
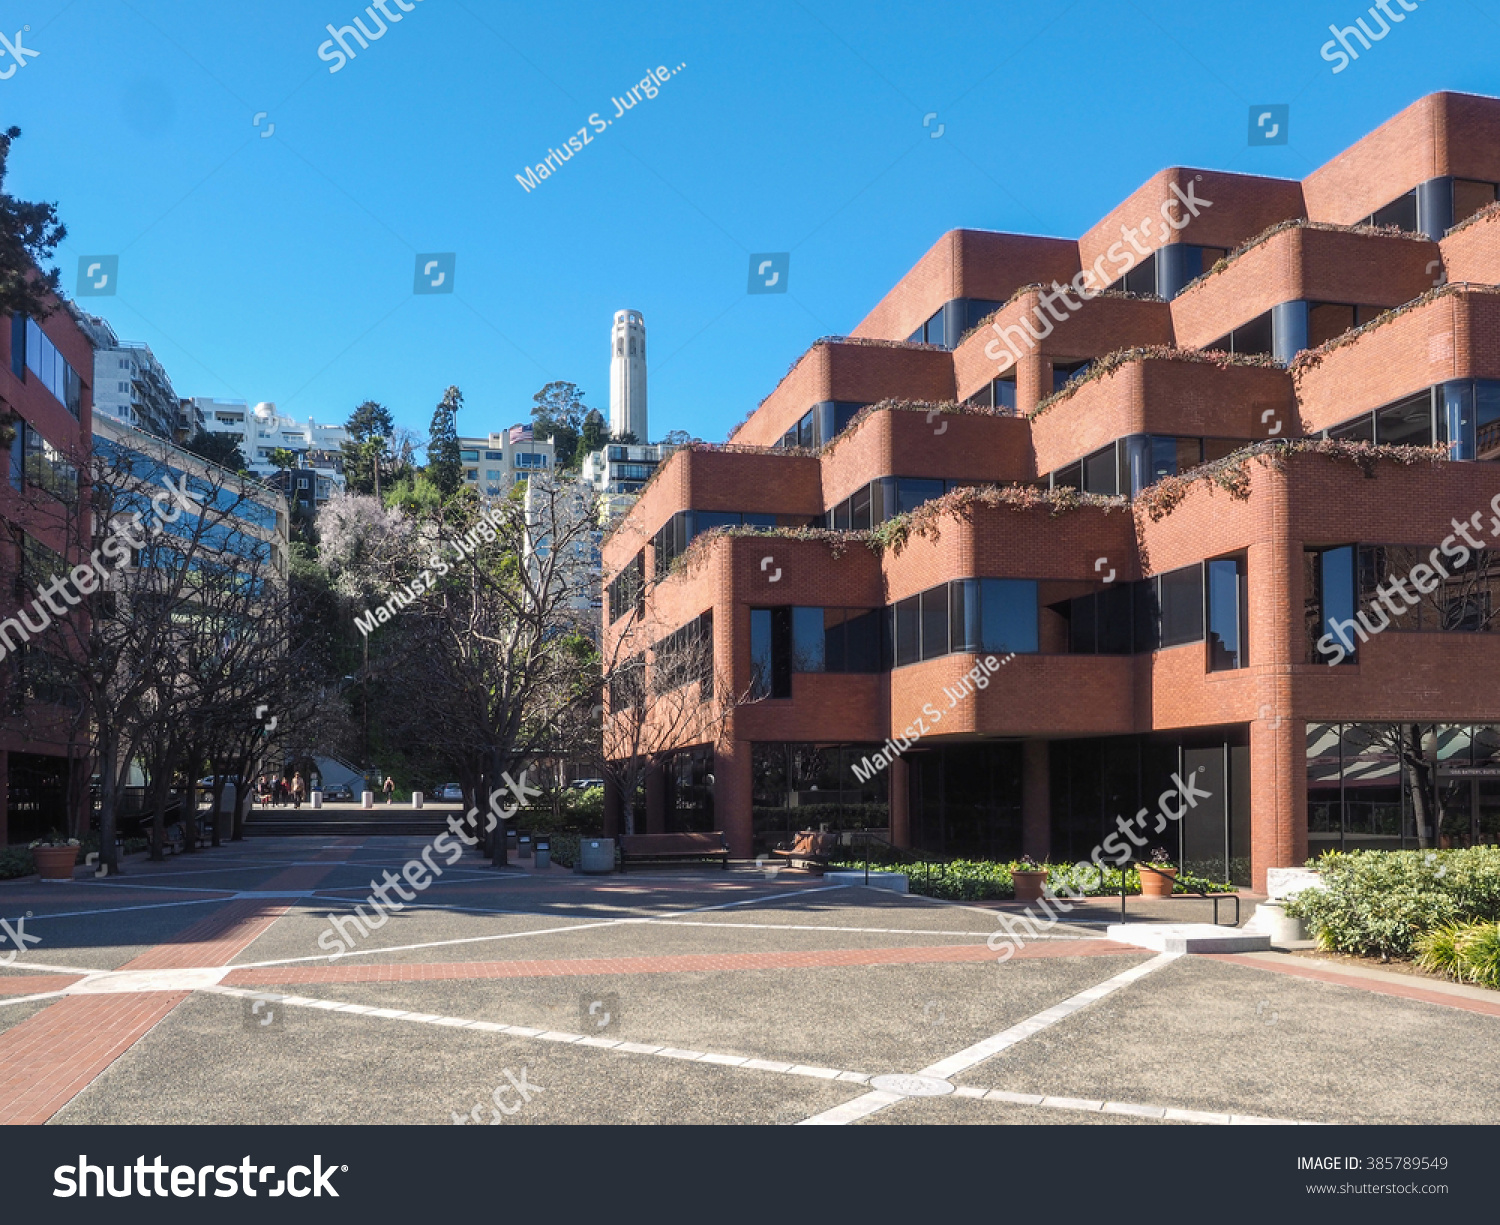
{"points": [[279, 792]]}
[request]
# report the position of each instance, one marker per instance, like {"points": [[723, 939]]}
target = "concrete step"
{"points": [[1188, 938]]}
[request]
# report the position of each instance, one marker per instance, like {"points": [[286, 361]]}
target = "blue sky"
{"points": [[281, 267]]}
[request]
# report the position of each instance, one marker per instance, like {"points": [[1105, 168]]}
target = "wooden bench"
{"points": [[673, 848], [809, 849]]}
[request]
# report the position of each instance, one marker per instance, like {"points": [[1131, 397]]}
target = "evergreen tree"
{"points": [[444, 464], [593, 435], [558, 415], [370, 427], [29, 233]]}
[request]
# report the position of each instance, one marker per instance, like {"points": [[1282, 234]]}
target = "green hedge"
{"points": [[17, 861], [972, 880], [1380, 903]]}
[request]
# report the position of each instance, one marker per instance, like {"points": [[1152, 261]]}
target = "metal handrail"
{"points": [[919, 856], [1215, 898]]}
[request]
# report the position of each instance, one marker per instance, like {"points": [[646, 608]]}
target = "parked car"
{"points": [[450, 791], [338, 791], [583, 784]]}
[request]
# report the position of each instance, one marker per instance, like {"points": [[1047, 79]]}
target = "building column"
{"points": [[82, 813], [1278, 797], [1036, 800], [899, 801], [656, 799], [4, 798], [734, 796]]}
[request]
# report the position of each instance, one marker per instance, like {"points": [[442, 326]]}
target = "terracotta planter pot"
{"points": [[1157, 883], [1028, 885], [55, 862]]}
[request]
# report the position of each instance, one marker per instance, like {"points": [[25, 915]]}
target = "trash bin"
{"points": [[510, 841], [543, 851], [523, 851], [596, 855]]}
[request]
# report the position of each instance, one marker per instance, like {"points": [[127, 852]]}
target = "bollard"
{"points": [[367, 799], [416, 799], [317, 799]]}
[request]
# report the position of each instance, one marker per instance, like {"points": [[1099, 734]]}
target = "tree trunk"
{"points": [[109, 799]]}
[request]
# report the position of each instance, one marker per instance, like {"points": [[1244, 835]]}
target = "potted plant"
{"points": [[1030, 877], [55, 856], [1158, 874]]}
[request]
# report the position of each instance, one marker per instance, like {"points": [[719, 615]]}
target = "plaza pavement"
{"points": [[195, 991]]}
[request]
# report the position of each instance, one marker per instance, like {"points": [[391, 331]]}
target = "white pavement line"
{"points": [[1163, 1113], [26, 999], [870, 1103], [980, 1051], [117, 884], [544, 931], [74, 914], [47, 968], [851, 1112], [550, 1035]]}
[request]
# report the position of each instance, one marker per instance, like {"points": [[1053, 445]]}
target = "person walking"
{"points": [[389, 788], [297, 788], [260, 790]]}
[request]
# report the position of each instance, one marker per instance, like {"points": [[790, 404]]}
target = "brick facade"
{"points": [[1264, 510]]}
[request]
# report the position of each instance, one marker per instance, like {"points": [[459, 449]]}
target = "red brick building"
{"points": [[46, 399], [1152, 473]]}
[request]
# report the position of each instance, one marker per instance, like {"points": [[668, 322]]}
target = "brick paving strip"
{"points": [[51, 1057], [681, 963], [1382, 982]]}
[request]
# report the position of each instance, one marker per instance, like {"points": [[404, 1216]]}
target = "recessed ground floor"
{"points": [[1362, 785]]}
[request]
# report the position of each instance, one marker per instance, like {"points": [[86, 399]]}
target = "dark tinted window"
{"points": [[913, 491], [1401, 212], [1180, 593], [807, 640], [1407, 424], [908, 631], [1226, 646], [934, 622], [1008, 615], [1100, 473]]}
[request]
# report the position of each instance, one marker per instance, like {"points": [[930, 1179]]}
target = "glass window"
{"points": [[1141, 278], [862, 641], [469, 456], [46, 467], [1361, 429], [1487, 407], [963, 616], [1334, 603], [494, 455], [839, 516], [18, 456], [1070, 477], [1407, 424], [808, 640], [1083, 625], [1113, 612], [1180, 593], [935, 622], [771, 652], [859, 509], [1100, 472], [1008, 615], [1226, 600], [1400, 212], [1064, 373], [1219, 448], [912, 491], [908, 631]]}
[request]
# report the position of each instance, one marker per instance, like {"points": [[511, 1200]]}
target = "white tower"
{"points": [[627, 376]]}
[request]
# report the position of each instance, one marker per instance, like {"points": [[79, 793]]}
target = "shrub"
{"points": [[971, 880], [15, 861], [1468, 952], [1382, 902]]}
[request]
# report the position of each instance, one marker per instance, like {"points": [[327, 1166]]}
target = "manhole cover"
{"points": [[911, 1086]]}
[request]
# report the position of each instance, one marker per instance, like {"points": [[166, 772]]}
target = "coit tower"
{"points": [[627, 376]]}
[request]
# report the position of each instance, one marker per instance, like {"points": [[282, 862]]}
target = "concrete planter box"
{"points": [[895, 882], [1283, 883]]}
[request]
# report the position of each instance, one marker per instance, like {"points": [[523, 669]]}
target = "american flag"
{"points": [[521, 433]]}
